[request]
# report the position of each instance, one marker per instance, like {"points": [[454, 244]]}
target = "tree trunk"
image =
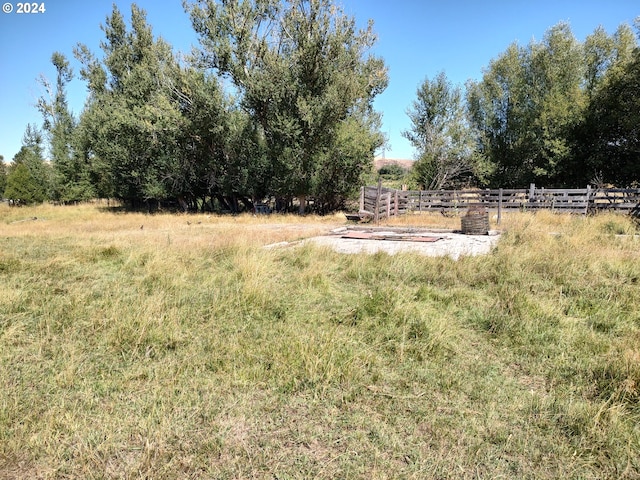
{"points": [[223, 202], [303, 204], [248, 204]]}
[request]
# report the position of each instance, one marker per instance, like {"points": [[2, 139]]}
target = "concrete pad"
{"points": [[437, 243]]}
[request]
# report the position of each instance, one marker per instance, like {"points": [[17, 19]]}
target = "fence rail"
{"points": [[380, 202]]}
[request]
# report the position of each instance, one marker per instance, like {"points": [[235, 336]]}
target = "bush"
{"points": [[392, 171]]}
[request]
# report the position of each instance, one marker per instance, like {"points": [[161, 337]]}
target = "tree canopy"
{"points": [[277, 101], [306, 80], [132, 125], [547, 112], [608, 142], [298, 119], [441, 134]]}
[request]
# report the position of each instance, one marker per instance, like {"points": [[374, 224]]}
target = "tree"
{"points": [[342, 167], [497, 107], [599, 55], [132, 124], [301, 70], [217, 145], [22, 187], [245, 166], [71, 172], [441, 134], [3, 176], [559, 112], [610, 137], [526, 106], [29, 179], [606, 141], [558, 101]]}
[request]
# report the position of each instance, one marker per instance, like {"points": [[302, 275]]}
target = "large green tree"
{"points": [[304, 75], [440, 132], [553, 112], [609, 140], [526, 105], [132, 125], [221, 157], [606, 143], [555, 78], [342, 166]]}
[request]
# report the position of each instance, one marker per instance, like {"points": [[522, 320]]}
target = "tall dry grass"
{"points": [[183, 349]]}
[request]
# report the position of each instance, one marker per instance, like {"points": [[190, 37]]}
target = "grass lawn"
{"points": [[172, 346]]}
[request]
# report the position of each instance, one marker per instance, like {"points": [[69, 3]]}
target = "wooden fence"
{"points": [[379, 202]]}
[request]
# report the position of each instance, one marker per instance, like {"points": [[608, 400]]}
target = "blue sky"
{"points": [[417, 39]]}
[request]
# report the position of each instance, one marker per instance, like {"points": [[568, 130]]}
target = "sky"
{"points": [[417, 39]]}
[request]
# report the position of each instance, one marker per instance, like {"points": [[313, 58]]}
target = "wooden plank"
{"points": [[389, 237]]}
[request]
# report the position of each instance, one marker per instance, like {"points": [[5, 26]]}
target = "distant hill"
{"points": [[378, 163]]}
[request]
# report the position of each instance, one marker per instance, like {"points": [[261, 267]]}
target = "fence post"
{"points": [[396, 200], [499, 206], [532, 192], [376, 211], [586, 208], [388, 205], [420, 202], [362, 199]]}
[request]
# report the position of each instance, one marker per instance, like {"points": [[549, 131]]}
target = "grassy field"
{"points": [[170, 346]]}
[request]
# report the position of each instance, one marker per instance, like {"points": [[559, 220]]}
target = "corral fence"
{"points": [[378, 202]]}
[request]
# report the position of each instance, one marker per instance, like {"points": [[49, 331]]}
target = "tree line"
{"points": [[556, 112], [277, 102]]}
